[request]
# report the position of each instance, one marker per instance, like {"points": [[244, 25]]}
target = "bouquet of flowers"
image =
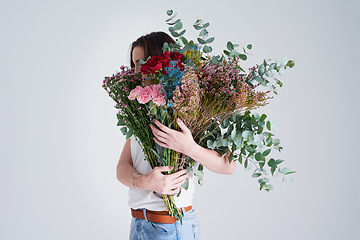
{"points": [[214, 97]]}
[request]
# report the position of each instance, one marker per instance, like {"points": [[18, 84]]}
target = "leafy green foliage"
{"points": [[244, 137]]}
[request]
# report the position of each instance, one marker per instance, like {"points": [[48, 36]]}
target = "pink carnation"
{"points": [[148, 93], [155, 88], [158, 99], [134, 93], [157, 95], [144, 95]]}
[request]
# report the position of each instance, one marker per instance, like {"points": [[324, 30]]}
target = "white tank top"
{"points": [[139, 198]]}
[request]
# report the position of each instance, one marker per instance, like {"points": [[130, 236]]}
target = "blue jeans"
{"points": [[142, 229]]}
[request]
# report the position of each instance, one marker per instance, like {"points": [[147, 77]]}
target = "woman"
{"points": [[150, 220]]}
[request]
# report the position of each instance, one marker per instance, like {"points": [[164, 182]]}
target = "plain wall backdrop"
{"points": [[60, 143]]}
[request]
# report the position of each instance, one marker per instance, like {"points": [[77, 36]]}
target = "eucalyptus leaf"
{"points": [[266, 152], [240, 159], [201, 41], [246, 134], [210, 40], [281, 71], [259, 156], [197, 27], [272, 66], [238, 142], [255, 175], [248, 167], [207, 49], [276, 142], [253, 120], [261, 69], [278, 161], [165, 46], [184, 40], [178, 25], [290, 64], [268, 125], [203, 33], [209, 143], [272, 171], [243, 57], [182, 32], [268, 74], [224, 143], [174, 34], [259, 80], [262, 118], [185, 184], [230, 46], [259, 138], [284, 170]]}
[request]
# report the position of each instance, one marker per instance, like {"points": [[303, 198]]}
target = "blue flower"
{"points": [[170, 81]]}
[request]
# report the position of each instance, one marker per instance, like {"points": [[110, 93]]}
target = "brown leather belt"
{"points": [[156, 216]]}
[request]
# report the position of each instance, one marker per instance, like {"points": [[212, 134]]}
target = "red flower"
{"points": [[156, 63], [176, 56], [166, 54], [153, 65]]}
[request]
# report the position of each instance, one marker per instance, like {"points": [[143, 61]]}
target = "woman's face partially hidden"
{"points": [[139, 54]]}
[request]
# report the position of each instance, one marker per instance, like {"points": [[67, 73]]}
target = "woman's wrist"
{"points": [[139, 182], [135, 180], [193, 150]]}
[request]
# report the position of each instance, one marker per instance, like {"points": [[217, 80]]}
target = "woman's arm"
{"points": [[182, 141], [211, 159], [155, 180]]}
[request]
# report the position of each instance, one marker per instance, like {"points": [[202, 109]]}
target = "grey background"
{"points": [[60, 143]]}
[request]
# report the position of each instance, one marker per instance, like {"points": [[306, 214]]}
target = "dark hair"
{"points": [[152, 44]]}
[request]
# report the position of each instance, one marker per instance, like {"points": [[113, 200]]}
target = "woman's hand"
{"points": [[163, 184], [180, 141]]}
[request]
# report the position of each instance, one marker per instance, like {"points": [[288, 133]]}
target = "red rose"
{"points": [[176, 56], [154, 64], [165, 62], [166, 54]]}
